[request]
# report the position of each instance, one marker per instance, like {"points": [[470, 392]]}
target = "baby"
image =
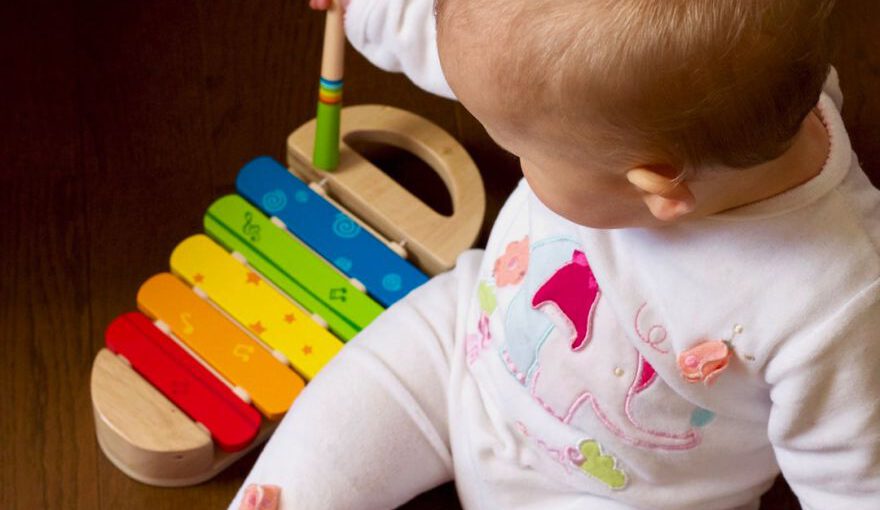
{"points": [[679, 300]]}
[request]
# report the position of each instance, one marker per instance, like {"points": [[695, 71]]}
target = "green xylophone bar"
{"points": [[291, 266]]}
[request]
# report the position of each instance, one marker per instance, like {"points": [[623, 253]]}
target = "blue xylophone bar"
{"points": [[330, 232]]}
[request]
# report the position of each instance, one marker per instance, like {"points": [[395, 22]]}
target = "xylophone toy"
{"points": [[283, 276], [289, 269]]}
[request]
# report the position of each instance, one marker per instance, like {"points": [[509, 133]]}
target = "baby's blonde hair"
{"points": [[683, 82]]}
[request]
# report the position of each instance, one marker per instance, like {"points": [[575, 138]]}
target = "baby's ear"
{"points": [[667, 198]]}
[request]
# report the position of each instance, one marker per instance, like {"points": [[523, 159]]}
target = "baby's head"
{"points": [[583, 91]]}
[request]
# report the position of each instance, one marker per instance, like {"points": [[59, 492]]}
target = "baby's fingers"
{"points": [[320, 5], [323, 5], [261, 497]]}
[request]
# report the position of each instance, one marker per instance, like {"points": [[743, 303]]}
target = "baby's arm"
{"points": [[370, 431], [396, 36], [825, 419]]}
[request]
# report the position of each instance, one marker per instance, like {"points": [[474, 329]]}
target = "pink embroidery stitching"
{"points": [[589, 459], [573, 289], [511, 267], [521, 377], [559, 455], [646, 377], [641, 382], [647, 338], [475, 343]]}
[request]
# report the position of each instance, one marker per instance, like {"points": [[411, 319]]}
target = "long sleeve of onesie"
{"points": [[370, 431], [825, 418], [824, 415], [399, 36]]}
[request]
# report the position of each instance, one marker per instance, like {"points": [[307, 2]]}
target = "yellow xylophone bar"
{"points": [[255, 304]]}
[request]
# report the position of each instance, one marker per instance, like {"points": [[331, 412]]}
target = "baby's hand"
{"points": [[323, 5], [261, 497]]}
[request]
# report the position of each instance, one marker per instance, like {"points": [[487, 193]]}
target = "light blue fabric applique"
{"points": [[525, 328]]}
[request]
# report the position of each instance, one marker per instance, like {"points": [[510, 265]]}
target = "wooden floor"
{"points": [[122, 121]]}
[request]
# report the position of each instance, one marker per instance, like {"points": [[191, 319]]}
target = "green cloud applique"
{"points": [[488, 302], [599, 466]]}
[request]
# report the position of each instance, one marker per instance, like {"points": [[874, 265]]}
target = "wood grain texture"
{"points": [[123, 121], [139, 428]]}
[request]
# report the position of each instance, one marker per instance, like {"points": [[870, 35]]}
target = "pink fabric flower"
{"points": [[511, 267], [704, 362]]}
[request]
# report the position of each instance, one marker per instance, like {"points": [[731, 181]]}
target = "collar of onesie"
{"points": [[836, 167]]}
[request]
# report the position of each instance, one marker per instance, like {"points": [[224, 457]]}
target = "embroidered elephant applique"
{"points": [[580, 376]]}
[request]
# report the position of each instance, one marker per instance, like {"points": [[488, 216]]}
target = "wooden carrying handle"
{"points": [[433, 240]]}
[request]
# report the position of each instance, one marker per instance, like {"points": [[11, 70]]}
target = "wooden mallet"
{"points": [[326, 153]]}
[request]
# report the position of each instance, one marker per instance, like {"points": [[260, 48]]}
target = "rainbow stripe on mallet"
{"points": [[326, 153], [330, 91]]}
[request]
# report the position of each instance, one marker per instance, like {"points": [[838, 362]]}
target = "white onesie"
{"points": [[570, 367]]}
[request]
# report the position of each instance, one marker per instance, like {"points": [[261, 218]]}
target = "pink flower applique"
{"points": [[475, 343], [511, 267], [705, 361]]}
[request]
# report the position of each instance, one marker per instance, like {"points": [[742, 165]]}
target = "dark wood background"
{"points": [[122, 121]]}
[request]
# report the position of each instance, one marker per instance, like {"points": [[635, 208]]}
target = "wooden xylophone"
{"points": [[284, 274]]}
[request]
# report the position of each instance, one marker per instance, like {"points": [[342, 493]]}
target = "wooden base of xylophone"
{"points": [[147, 437]]}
